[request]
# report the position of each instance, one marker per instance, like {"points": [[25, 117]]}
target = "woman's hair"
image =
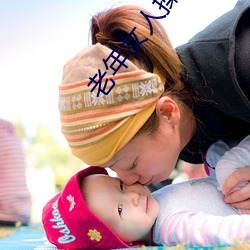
{"points": [[155, 53]]}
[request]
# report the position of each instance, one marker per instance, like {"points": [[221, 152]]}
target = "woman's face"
{"points": [[147, 159]]}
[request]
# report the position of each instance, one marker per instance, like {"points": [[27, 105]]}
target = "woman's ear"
{"points": [[168, 110]]}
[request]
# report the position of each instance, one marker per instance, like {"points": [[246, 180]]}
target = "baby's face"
{"points": [[130, 211]]}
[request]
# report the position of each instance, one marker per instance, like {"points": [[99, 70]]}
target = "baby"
{"points": [[96, 211]]}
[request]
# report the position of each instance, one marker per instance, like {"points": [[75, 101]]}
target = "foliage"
{"points": [[45, 150]]}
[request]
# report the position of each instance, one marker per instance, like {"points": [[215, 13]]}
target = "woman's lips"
{"points": [[148, 183]]}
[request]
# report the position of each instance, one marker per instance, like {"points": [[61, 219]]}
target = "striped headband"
{"points": [[96, 127]]}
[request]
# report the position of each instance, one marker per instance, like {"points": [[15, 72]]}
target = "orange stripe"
{"points": [[108, 111]]}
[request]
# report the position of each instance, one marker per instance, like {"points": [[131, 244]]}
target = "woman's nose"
{"points": [[126, 177]]}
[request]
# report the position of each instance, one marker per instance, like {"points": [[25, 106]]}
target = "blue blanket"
{"points": [[33, 238]]}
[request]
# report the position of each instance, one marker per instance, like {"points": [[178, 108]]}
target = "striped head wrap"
{"points": [[98, 127]]}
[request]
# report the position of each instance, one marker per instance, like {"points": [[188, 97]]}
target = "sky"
{"points": [[38, 37]]}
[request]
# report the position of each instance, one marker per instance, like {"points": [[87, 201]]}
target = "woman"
{"points": [[140, 123]]}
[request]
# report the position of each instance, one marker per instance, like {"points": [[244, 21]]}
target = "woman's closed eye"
{"points": [[121, 186], [120, 206]]}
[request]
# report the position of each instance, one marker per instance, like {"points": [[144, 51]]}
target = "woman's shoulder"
{"points": [[209, 65]]}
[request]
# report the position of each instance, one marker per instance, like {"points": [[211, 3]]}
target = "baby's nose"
{"points": [[133, 197]]}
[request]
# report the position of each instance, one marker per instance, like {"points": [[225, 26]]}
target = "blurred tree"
{"points": [[20, 130], [45, 150]]}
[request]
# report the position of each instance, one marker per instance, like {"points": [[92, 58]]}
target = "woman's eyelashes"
{"points": [[121, 186], [120, 206]]}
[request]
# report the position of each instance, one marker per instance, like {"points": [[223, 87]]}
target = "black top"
{"points": [[217, 66]]}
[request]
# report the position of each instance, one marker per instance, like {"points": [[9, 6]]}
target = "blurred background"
{"points": [[36, 40]]}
